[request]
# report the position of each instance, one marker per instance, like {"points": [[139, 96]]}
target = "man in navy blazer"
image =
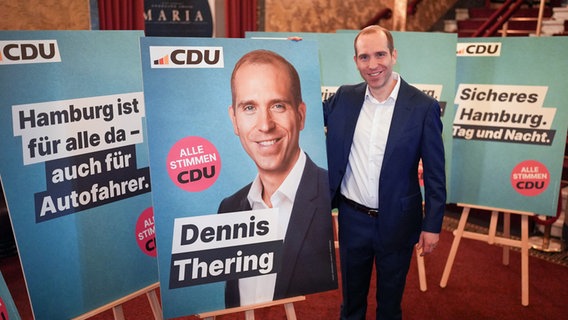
{"points": [[267, 114], [308, 253], [377, 132]]}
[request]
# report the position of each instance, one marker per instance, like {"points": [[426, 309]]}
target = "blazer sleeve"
{"points": [[433, 163]]}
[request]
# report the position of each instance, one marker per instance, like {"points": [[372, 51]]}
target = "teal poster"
{"points": [[425, 60], [510, 123], [239, 185], [74, 167], [8, 310]]}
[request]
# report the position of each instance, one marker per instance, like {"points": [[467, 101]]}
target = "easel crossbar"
{"points": [[497, 240], [213, 314], [117, 304]]}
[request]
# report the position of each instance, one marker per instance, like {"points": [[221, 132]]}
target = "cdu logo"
{"points": [[480, 49], [186, 57], [29, 51]]}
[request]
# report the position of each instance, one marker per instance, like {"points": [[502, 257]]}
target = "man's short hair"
{"points": [[375, 29], [262, 56]]}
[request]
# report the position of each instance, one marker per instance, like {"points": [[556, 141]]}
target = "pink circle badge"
{"points": [[3, 311], [530, 178], [193, 164], [146, 232]]}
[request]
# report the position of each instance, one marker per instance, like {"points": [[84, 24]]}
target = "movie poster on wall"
{"points": [[200, 169], [74, 167], [510, 123], [433, 73], [179, 18]]}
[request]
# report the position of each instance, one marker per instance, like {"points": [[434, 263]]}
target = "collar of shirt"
{"points": [[392, 97], [286, 191]]}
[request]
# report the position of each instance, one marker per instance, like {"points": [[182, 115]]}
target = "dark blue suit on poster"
{"points": [[308, 253], [415, 134]]}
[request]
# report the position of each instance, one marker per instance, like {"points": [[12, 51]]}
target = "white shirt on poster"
{"points": [[260, 289]]}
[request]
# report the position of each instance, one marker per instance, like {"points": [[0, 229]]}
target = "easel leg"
{"points": [[334, 214], [492, 227], [154, 304], [421, 271], [506, 234], [525, 260], [249, 315], [290, 311], [454, 249], [118, 313]]}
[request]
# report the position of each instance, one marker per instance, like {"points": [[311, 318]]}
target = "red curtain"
{"points": [[240, 16], [121, 15]]}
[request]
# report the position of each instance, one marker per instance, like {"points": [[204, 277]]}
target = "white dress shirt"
{"points": [[361, 180], [260, 289]]}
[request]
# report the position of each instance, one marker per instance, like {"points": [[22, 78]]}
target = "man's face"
{"points": [[265, 118], [375, 62]]}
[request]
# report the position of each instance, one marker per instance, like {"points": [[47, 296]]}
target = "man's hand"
{"points": [[427, 242]]}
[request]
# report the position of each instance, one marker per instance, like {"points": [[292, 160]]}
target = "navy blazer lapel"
{"points": [[351, 114], [300, 220], [402, 112]]}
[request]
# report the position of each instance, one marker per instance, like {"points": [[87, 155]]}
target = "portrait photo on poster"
{"points": [[242, 208]]}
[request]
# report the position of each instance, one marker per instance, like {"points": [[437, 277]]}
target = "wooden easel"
{"points": [[249, 310], [116, 305], [492, 238]]}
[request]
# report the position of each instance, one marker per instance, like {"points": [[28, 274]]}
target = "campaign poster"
{"points": [[425, 60], [213, 250], [510, 123], [8, 310], [74, 167]]}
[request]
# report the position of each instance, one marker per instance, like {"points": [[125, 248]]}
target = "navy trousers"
{"points": [[360, 248]]}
